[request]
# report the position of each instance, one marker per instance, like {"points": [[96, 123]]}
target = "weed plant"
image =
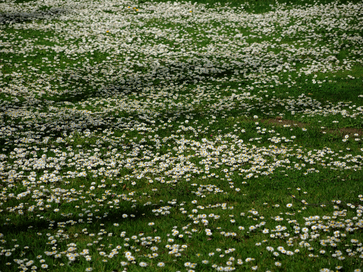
{"points": [[181, 136]]}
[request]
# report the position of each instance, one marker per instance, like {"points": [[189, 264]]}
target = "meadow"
{"points": [[181, 136]]}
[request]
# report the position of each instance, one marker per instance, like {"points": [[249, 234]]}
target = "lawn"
{"points": [[181, 136]]}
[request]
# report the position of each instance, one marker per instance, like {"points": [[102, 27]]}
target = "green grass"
{"points": [[184, 136]]}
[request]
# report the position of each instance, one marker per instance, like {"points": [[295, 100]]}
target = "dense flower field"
{"points": [[180, 137]]}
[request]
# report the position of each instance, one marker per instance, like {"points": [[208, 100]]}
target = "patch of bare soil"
{"points": [[278, 121]]}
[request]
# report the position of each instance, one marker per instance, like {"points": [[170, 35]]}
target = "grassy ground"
{"points": [[181, 136]]}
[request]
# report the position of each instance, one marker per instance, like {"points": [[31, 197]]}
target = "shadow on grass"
{"points": [[179, 73], [178, 191], [42, 224], [43, 13]]}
